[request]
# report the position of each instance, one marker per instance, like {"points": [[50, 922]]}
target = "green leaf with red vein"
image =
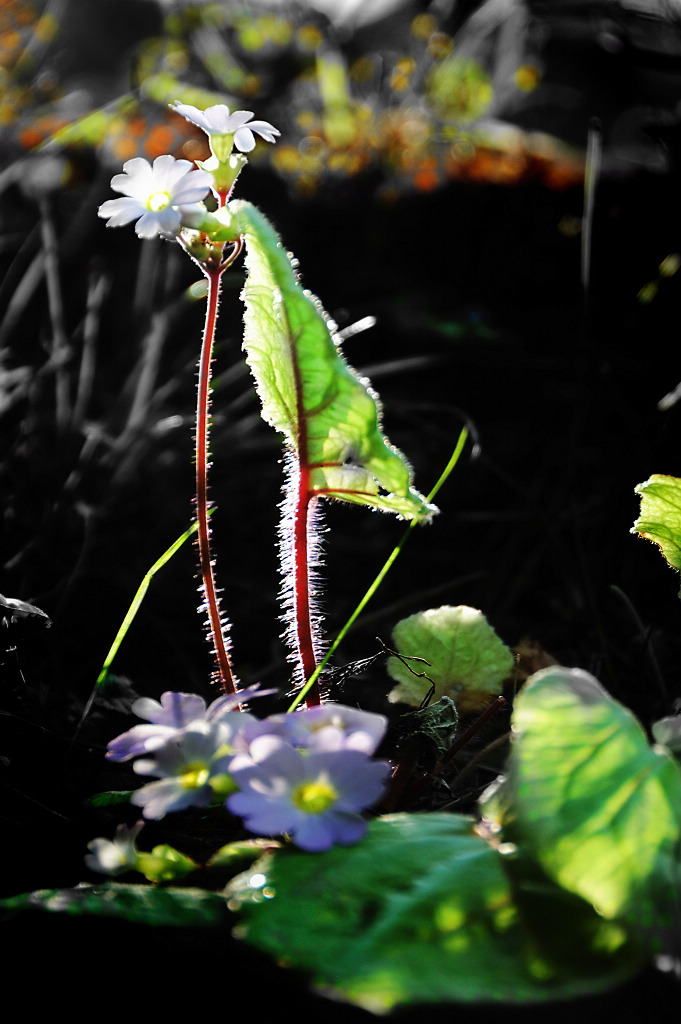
{"points": [[329, 415]]}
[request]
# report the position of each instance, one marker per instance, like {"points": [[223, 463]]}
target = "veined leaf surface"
{"points": [[330, 417], [422, 910], [591, 800], [660, 516]]}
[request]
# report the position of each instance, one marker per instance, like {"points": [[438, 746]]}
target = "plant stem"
{"points": [[312, 680], [302, 608], [213, 275], [302, 603]]}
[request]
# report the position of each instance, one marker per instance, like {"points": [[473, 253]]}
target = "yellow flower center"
{"points": [[195, 776], [314, 797], [158, 201]]}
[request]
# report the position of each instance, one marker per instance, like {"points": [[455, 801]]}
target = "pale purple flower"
{"points": [[113, 857], [217, 120], [192, 768], [334, 726], [155, 195], [315, 797], [175, 712]]}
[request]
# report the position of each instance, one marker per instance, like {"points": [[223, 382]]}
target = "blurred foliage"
{"points": [[410, 107]]}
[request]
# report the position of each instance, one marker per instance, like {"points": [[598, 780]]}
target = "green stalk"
{"points": [[129, 618]]}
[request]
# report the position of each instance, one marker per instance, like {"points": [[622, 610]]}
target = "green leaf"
{"points": [[597, 807], [110, 798], [660, 517], [422, 911], [143, 904], [437, 722], [165, 864], [466, 659], [330, 417], [243, 851]]}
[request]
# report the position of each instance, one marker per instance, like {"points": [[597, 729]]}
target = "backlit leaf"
{"points": [[466, 659], [422, 911], [598, 807], [660, 517], [330, 417]]}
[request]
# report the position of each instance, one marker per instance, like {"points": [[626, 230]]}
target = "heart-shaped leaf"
{"points": [[591, 800]]}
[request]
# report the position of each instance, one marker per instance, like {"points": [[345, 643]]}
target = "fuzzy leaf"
{"points": [[597, 807], [660, 517], [466, 659], [422, 911], [143, 904], [330, 416]]}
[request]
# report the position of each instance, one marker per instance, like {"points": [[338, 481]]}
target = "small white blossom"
{"points": [[174, 713], [113, 857], [191, 768], [217, 120], [334, 726], [155, 195], [316, 796]]}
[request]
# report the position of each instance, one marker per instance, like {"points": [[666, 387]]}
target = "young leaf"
{"points": [[330, 416], [466, 659], [660, 517], [598, 808], [422, 911]]}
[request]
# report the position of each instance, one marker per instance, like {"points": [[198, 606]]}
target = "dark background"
{"points": [[477, 286]]}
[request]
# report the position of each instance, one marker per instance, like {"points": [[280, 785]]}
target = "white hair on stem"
{"points": [[287, 560]]}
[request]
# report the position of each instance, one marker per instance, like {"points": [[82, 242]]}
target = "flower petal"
{"points": [[192, 114], [191, 188], [236, 120], [158, 222], [141, 739], [120, 211], [167, 171], [157, 798], [266, 130], [176, 709], [244, 140]]}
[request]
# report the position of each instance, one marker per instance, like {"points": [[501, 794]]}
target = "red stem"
{"points": [[213, 275], [302, 609], [301, 551]]}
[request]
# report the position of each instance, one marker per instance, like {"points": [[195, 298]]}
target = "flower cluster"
{"points": [[308, 774], [166, 196]]}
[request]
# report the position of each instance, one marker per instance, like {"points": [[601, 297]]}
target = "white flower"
{"points": [[155, 195], [317, 797], [113, 857], [191, 768], [175, 712], [217, 120], [334, 726]]}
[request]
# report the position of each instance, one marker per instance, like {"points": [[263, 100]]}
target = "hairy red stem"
{"points": [[213, 275], [302, 610]]}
